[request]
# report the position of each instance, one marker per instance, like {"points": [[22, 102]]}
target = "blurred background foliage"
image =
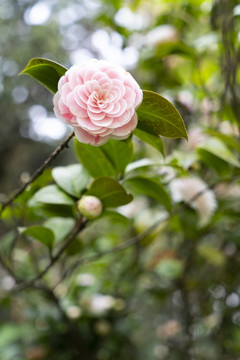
{"points": [[175, 294]]}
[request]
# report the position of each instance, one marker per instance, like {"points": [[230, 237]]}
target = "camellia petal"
{"points": [[86, 138], [126, 129]]}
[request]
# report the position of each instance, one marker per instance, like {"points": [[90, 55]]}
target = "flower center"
{"points": [[101, 98]]}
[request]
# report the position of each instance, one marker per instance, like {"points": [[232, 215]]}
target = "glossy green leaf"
{"points": [[151, 188], [110, 192], [51, 194], [229, 140], [158, 116], [73, 178], [47, 72], [115, 217], [94, 160], [120, 153], [51, 210], [151, 139], [40, 233], [61, 227], [214, 162], [141, 164], [219, 149]]}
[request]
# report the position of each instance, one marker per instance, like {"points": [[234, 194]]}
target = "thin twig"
{"points": [[37, 172], [80, 225], [21, 284], [133, 241], [8, 269]]}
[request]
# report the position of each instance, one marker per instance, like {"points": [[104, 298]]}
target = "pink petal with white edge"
{"points": [[94, 109], [81, 94], [102, 132], [119, 85], [62, 81], [87, 124], [62, 114], [122, 103], [84, 137], [115, 137], [123, 119], [114, 74], [126, 129], [139, 98], [65, 90], [95, 116], [106, 122], [74, 106], [77, 97], [130, 97]]}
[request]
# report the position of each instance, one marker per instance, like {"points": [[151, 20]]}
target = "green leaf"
{"points": [[141, 164], [151, 139], [94, 160], [219, 149], [158, 116], [11, 333], [170, 268], [169, 48], [115, 217], [51, 194], [110, 192], [40, 233], [211, 254], [61, 227], [120, 153], [214, 162], [73, 178], [47, 72], [51, 210], [151, 188], [229, 140]]}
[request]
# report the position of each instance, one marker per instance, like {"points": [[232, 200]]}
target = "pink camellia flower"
{"points": [[99, 100]]}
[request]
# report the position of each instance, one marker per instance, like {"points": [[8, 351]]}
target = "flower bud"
{"points": [[90, 207]]}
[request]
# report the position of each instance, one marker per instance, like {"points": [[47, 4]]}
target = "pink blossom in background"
{"points": [[99, 100]]}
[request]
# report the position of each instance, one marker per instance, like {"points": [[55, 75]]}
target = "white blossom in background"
{"points": [[74, 312], [131, 20], [162, 34], [196, 137], [225, 191], [185, 189], [228, 128], [100, 303], [85, 279]]}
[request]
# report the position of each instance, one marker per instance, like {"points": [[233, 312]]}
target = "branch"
{"points": [[134, 240], [80, 225], [120, 247], [82, 261], [38, 172]]}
